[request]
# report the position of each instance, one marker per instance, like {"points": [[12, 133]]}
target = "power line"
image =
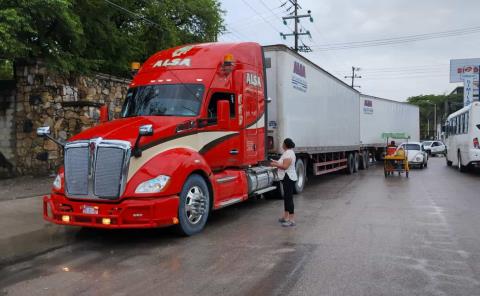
{"points": [[137, 15], [386, 77], [253, 9], [398, 40]]}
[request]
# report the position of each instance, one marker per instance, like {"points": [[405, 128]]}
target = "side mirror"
{"points": [[223, 114], [146, 130], [43, 131], [269, 100], [104, 114]]}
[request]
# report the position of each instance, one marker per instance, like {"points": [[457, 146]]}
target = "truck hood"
{"points": [[126, 129]]}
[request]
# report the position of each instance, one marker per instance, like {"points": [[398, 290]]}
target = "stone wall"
{"points": [[67, 104], [7, 108]]}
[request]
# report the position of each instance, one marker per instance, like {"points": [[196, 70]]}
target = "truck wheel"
{"points": [[301, 176], [356, 158], [350, 164], [194, 206]]}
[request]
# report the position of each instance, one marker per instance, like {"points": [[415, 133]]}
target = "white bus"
{"points": [[462, 133]]}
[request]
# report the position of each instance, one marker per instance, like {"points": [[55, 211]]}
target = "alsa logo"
{"points": [[299, 69], [187, 62], [253, 79], [182, 50], [172, 62]]}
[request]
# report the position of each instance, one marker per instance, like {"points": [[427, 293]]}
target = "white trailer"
{"points": [[379, 115], [314, 108]]}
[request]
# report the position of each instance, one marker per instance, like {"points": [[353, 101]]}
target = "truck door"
{"points": [[225, 151]]}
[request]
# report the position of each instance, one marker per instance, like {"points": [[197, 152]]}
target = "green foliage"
{"points": [[84, 35], [444, 104], [6, 70]]}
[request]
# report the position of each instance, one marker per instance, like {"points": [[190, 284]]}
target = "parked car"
{"points": [[434, 147], [417, 156]]}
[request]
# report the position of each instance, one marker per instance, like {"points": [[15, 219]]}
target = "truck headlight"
{"points": [[153, 185], [57, 183]]}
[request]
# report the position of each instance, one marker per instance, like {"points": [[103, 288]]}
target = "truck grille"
{"points": [[96, 168]]}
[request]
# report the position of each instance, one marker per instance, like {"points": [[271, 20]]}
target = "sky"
{"points": [[392, 71]]}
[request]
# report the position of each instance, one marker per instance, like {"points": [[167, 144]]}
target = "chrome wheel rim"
{"points": [[195, 204]]}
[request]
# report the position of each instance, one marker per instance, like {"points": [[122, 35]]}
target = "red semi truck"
{"points": [[193, 138]]}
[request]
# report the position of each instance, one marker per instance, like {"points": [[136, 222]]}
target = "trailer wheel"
{"points": [[350, 164], [367, 159], [301, 176], [194, 206], [364, 161], [356, 158]]}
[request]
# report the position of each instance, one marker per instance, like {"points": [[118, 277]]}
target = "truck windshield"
{"points": [[163, 100]]}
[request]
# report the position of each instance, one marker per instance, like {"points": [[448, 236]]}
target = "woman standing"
{"points": [[288, 176]]}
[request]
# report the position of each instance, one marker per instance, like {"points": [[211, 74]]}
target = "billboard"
{"points": [[461, 67]]}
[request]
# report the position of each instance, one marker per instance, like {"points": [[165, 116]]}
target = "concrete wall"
{"points": [[67, 104]]}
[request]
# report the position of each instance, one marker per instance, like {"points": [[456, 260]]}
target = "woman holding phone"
{"points": [[288, 175]]}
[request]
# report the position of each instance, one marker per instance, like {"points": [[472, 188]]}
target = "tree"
{"points": [[444, 104], [98, 35]]}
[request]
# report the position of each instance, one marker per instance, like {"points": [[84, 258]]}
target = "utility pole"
{"points": [[354, 75], [434, 119], [296, 33]]}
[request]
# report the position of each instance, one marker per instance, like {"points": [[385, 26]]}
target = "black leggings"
{"points": [[288, 186]]}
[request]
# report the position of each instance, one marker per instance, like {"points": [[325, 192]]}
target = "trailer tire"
{"points": [[350, 164], [364, 160], [194, 198], [301, 176], [356, 158]]}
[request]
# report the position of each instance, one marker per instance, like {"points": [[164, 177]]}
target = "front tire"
{"points": [[301, 176], [194, 206]]}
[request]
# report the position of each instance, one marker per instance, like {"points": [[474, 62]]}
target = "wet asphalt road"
{"points": [[356, 235]]}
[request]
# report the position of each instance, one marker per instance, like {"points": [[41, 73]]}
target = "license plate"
{"points": [[90, 210]]}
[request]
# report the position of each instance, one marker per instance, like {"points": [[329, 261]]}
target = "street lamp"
{"points": [[434, 118]]}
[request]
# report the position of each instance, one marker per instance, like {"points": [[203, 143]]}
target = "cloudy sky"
{"points": [[394, 71]]}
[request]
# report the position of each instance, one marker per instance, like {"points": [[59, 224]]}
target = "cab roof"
{"points": [[203, 56]]}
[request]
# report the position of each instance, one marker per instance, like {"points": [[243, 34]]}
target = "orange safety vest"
{"points": [[391, 150]]}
